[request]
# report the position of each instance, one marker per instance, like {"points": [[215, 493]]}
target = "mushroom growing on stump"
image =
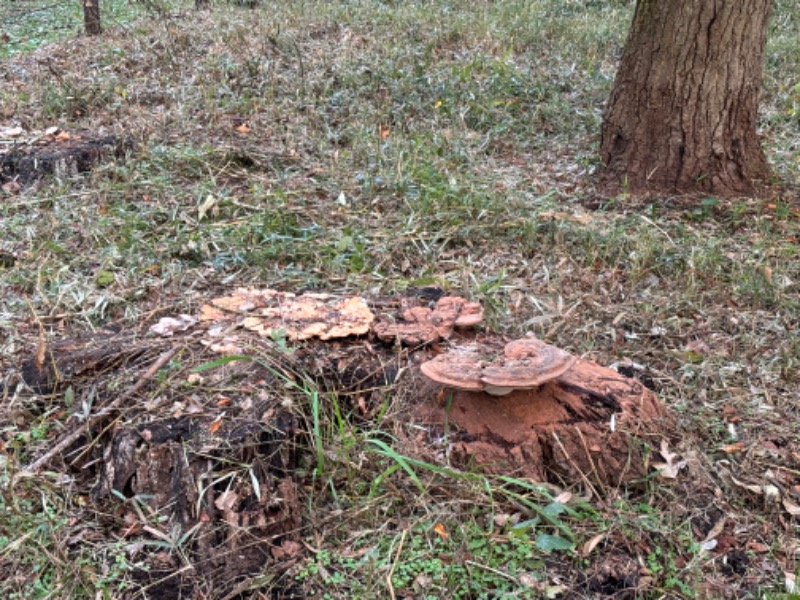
{"points": [[524, 364], [425, 325], [528, 409]]}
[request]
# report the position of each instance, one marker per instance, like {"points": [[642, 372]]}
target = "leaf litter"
{"points": [[622, 286]]}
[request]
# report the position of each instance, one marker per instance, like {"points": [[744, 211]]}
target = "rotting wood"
{"points": [[25, 161], [587, 423], [84, 428], [219, 468]]}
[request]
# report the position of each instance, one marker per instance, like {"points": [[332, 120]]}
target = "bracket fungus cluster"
{"points": [[297, 317], [425, 325], [523, 364]]}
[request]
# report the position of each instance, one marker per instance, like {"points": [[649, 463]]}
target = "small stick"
{"points": [[64, 443], [394, 564]]}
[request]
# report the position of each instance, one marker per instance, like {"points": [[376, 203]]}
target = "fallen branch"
{"points": [[84, 427]]}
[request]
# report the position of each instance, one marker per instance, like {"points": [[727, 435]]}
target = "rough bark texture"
{"points": [[682, 115], [91, 17]]}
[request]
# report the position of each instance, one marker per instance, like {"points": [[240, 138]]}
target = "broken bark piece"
{"points": [[424, 325], [461, 312], [524, 364]]}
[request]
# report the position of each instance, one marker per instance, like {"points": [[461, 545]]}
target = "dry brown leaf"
{"points": [[751, 487], [791, 508], [441, 531], [757, 547], [168, 326], [215, 425], [287, 549], [41, 352], [11, 132], [591, 544], [734, 448], [226, 500], [718, 527]]}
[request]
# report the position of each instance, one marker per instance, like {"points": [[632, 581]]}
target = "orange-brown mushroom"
{"points": [[524, 364]]}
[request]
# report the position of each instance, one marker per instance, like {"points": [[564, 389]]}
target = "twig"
{"points": [[86, 425], [472, 563], [394, 564]]}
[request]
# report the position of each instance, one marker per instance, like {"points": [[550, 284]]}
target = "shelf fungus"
{"points": [[523, 364], [424, 325], [298, 317]]}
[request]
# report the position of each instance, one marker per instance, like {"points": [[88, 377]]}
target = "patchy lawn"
{"points": [[376, 149]]}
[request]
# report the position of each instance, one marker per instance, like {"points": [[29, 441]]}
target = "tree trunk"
{"points": [[91, 17], [682, 115]]}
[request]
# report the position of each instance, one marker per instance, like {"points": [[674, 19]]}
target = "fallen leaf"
{"points": [[206, 207], [226, 500], [243, 128], [718, 527], [734, 448], [12, 132], [554, 591], [440, 530], [422, 581], [708, 545], [41, 352], [167, 326], [590, 545], [791, 508], [11, 187], [215, 425], [757, 547], [287, 549], [672, 466], [563, 497]]}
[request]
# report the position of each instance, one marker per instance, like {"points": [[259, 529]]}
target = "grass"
{"points": [[373, 146]]}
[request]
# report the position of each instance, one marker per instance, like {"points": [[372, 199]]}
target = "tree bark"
{"points": [[682, 114], [91, 17]]}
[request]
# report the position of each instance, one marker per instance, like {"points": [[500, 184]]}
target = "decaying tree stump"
{"points": [[207, 457], [586, 425], [25, 159]]}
